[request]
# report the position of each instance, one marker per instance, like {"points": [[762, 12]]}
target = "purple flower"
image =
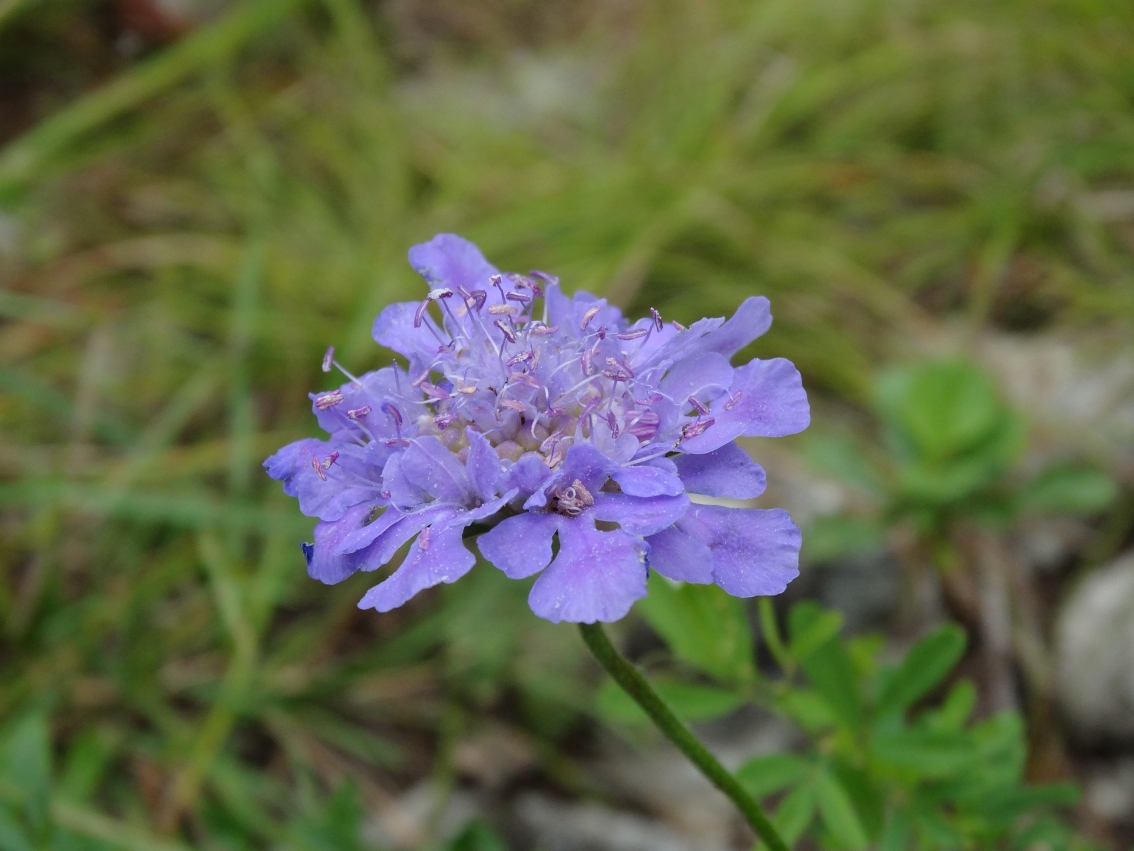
{"points": [[536, 416]]}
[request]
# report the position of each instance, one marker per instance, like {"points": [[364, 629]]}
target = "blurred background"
{"points": [[197, 197]]}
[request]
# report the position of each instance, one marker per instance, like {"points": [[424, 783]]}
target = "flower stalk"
{"points": [[635, 685]]}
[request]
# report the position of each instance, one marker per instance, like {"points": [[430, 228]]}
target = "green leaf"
{"points": [[811, 627], [838, 813], [25, 762], [928, 753], [12, 836], [839, 456], [807, 709], [941, 409], [703, 625], [828, 538], [765, 775], [477, 837], [689, 702], [896, 832], [927, 663], [956, 708], [828, 666], [795, 813], [1068, 489]]}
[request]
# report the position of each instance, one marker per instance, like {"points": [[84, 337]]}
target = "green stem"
{"points": [[635, 685]]}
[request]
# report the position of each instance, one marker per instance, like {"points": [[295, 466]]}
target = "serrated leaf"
{"points": [[838, 813], [765, 775], [689, 702], [703, 626], [927, 663]]}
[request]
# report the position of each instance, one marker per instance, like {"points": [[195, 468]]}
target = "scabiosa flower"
{"points": [[539, 416]]}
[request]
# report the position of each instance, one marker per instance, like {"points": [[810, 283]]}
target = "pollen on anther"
{"points": [[358, 413], [691, 430], [328, 400], [587, 317], [328, 358]]}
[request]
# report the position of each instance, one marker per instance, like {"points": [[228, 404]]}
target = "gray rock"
{"points": [[561, 826], [1095, 654]]}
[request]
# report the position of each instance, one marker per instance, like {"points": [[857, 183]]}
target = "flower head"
{"points": [[537, 416]]}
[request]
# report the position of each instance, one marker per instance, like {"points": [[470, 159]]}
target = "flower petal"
{"points": [[751, 320], [451, 261], [640, 515], [597, 576], [681, 557], [647, 480], [428, 466], [727, 471], [324, 561], [694, 374], [294, 460], [483, 467], [394, 329], [755, 551], [439, 555], [521, 545], [766, 399]]}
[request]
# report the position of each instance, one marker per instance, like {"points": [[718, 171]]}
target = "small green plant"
{"points": [[948, 453], [894, 761]]}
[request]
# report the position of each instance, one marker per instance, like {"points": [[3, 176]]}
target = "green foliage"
{"points": [[704, 626], [950, 448], [190, 236], [889, 765]]}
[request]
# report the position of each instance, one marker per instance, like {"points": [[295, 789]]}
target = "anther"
{"points": [[479, 297], [657, 319], [393, 413], [731, 403], [419, 314], [612, 421], [677, 325], [523, 298], [318, 468], [421, 379], [440, 292], [522, 357], [505, 330], [328, 400], [698, 405], [691, 430], [358, 413], [616, 370], [424, 539], [443, 421], [633, 335], [550, 280], [514, 405], [329, 460], [502, 310], [328, 358], [434, 392], [544, 330], [587, 317]]}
